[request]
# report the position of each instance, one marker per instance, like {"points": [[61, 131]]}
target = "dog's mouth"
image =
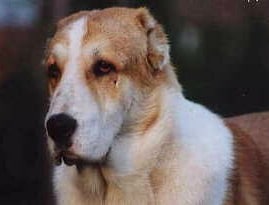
{"points": [[66, 157], [71, 159]]}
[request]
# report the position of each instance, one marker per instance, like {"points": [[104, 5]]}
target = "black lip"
{"points": [[71, 159], [58, 160]]}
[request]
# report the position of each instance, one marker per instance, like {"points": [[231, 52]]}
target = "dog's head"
{"points": [[99, 64]]}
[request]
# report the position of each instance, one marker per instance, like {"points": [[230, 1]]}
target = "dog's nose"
{"points": [[60, 128]]}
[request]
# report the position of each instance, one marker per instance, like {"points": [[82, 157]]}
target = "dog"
{"points": [[120, 130]]}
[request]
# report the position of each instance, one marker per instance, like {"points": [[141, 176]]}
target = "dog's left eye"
{"points": [[53, 71], [102, 68]]}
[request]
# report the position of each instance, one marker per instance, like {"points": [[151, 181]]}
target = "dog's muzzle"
{"points": [[60, 128]]}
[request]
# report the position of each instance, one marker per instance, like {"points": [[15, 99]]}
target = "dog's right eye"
{"points": [[53, 71], [102, 68]]}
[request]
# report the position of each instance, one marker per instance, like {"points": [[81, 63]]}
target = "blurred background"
{"points": [[220, 49]]}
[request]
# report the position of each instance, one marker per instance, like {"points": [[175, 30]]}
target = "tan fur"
{"points": [[136, 44], [125, 52]]}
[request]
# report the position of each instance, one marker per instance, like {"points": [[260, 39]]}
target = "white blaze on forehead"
{"points": [[75, 32], [69, 84], [75, 35]]}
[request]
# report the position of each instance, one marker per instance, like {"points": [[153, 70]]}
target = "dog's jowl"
{"points": [[120, 130]]}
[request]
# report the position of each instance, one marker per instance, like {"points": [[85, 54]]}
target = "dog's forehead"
{"points": [[118, 26]]}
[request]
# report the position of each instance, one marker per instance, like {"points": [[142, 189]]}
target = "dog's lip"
{"points": [[70, 159], [67, 157]]}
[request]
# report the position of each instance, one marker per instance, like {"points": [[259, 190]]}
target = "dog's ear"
{"points": [[157, 48]]}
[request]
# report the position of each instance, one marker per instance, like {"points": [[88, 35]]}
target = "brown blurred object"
{"points": [[20, 45], [222, 12], [15, 49], [256, 125]]}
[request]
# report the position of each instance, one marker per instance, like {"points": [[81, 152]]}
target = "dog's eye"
{"points": [[102, 68], [54, 71]]}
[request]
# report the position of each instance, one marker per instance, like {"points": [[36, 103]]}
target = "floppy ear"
{"points": [[157, 48]]}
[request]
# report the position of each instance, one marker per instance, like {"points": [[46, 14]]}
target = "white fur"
{"points": [[206, 151], [60, 51], [164, 49]]}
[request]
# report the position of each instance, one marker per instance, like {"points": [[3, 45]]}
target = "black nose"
{"points": [[60, 128]]}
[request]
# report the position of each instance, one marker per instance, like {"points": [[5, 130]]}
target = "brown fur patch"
{"points": [[149, 121], [248, 181]]}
